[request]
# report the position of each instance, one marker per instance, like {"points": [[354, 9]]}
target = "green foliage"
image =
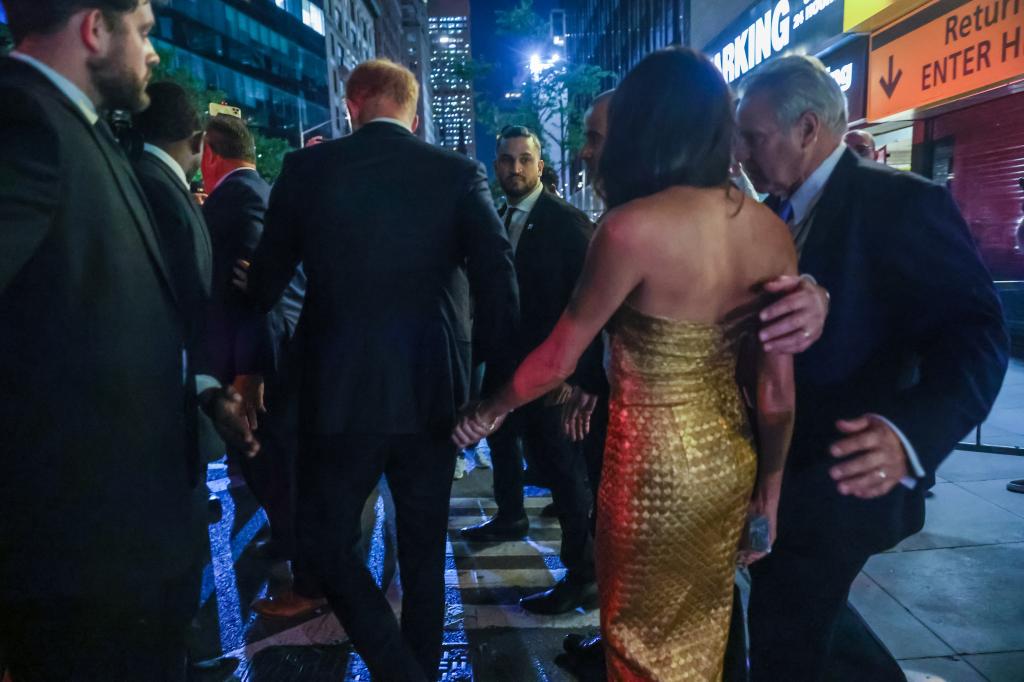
{"points": [[202, 94], [559, 95], [471, 69], [522, 21], [270, 151], [565, 94]]}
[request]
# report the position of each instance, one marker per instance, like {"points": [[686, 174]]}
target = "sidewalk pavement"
{"points": [[948, 602]]}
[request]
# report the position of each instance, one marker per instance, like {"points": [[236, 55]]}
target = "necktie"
{"points": [[785, 211], [108, 135], [508, 217]]}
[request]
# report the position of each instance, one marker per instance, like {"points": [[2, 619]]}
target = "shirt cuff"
{"points": [[205, 382], [915, 463]]}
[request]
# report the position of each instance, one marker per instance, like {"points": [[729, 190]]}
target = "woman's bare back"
{"points": [[704, 253]]}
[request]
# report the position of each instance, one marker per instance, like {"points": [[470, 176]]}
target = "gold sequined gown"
{"points": [[678, 474]]}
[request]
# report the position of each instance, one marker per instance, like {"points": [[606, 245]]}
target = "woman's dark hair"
{"points": [[670, 123]]}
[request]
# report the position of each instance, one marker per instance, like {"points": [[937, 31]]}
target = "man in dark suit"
{"points": [[550, 240], [172, 137], [911, 358], [394, 234], [246, 347], [104, 515]]}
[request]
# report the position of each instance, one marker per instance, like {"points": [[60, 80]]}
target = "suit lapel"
{"points": [[200, 236], [124, 176], [829, 212]]}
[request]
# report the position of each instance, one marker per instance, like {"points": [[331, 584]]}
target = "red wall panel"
{"points": [[988, 160]]}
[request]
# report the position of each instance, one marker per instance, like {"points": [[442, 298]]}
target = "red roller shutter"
{"points": [[988, 161]]}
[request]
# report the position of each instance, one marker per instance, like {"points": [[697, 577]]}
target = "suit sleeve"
{"points": [[253, 328], [29, 182], [490, 267], [279, 251], [589, 374], [949, 306]]}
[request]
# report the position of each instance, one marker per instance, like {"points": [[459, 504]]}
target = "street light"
{"points": [[303, 133]]}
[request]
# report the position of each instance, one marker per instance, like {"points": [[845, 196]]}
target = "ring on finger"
{"points": [[881, 474]]}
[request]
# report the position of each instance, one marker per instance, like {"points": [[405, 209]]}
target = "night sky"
{"points": [[506, 56]]}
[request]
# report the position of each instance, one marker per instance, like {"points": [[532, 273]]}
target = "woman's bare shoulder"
{"points": [[767, 237]]}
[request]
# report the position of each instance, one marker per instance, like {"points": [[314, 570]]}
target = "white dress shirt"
{"points": [[807, 194], [804, 199], [168, 160], [70, 90]]}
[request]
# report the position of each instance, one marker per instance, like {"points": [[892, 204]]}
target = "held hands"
{"points": [[241, 274], [558, 396], [477, 421], [250, 388], [226, 408], [576, 413], [794, 322], [877, 458]]}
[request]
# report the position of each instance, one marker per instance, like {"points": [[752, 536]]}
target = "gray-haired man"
{"points": [[911, 358]]}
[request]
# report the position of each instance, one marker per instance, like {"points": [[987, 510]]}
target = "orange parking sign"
{"points": [[945, 49]]}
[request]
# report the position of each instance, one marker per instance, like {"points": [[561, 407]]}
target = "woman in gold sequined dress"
{"points": [[674, 270]]}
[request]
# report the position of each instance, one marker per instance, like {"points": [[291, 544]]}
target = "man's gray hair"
{"points": [[797, 84]]}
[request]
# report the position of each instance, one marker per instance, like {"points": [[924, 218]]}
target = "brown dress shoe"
{"points": [[286, 605]]}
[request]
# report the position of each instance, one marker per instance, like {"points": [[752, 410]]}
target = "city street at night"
{"points": [[939, 602], [511, 340]]}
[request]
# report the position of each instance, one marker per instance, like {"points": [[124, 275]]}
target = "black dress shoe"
{"points": [[212, 670], [497, 529], [565, 596], [1016, 486], [214, 510], [583, 649], [269, 551]]}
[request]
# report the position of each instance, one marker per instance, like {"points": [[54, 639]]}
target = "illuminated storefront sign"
{"points": [[945, 50], [773, 27], [848, 64]]}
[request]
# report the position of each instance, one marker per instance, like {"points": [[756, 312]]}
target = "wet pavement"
{"points": [[487, 636], [947, 602]]}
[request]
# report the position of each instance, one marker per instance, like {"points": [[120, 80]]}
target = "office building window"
{"points": [[313, 16]]}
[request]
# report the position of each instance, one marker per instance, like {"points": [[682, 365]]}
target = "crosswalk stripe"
{"points": [[536, 523], [480, 617]]}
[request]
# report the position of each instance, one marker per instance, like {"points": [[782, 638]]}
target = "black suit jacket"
{"points": [[915, 333], [393, 234], [186, 243], [240, 339], [179, 222], [94, 477], [549, 259]]}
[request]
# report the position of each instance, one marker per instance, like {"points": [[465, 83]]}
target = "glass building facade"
{"points": [[268, 56], [453, 105]]}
